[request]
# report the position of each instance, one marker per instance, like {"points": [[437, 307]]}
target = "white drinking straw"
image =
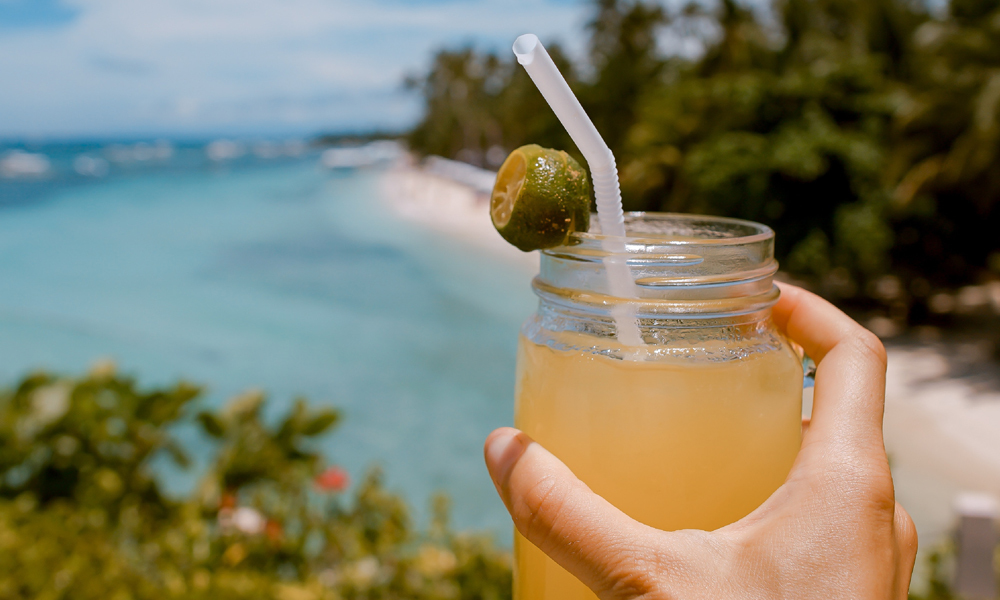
{"points": [[550, 82]]}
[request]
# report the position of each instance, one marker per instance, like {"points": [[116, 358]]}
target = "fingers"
{"points": [[814, 323], [850, 372], [557, 512]]}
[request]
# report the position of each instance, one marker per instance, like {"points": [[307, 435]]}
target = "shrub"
{"points": [[82, 515]]}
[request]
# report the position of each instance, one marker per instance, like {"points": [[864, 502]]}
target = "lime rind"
{"points": [[541, 196]]}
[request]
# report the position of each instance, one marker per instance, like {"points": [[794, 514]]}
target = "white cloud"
{"points": [[163, 65]]}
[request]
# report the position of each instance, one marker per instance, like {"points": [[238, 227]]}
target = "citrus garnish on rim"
{"points": [[540, 197]]}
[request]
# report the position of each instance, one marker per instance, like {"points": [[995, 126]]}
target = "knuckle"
{"points": [[879, 499], [869, 345], [630, 585], [877, 483], [633, 575], [539, 508], [863, 486]]}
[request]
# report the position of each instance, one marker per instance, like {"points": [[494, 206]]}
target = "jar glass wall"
{"points": [[693, 429]]}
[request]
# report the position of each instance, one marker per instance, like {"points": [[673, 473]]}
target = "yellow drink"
{"points": [[676, 443]]}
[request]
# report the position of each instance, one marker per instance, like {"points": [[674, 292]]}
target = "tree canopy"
{"points": [[865, 132]]}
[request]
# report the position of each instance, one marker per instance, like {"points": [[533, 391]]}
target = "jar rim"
{"points": [[641, 227], [678, 264]]}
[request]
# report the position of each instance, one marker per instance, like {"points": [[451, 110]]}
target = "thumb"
{"points": [[599, 544]]}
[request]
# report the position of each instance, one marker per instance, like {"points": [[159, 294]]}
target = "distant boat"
{"points": [[20, 164], [368, 155]]}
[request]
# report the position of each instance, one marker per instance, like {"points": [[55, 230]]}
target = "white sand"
{"points": [[943, 437], [451, 208], [942, 432]]}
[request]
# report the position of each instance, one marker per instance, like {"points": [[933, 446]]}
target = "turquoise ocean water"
{"points": [[271, 274]]}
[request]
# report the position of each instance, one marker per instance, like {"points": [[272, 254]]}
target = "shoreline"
{"points": [[456, 209], [942, 429]]}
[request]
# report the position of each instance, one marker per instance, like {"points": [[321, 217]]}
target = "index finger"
{"points": [[850, 366]]}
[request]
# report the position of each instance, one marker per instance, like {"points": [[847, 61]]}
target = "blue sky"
{"points": [[193, 67]]}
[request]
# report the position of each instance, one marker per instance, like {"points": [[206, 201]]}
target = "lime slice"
{"points": [[540, 197]]}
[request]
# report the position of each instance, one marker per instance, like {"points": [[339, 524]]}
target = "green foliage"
{"points": [[865, 132], [252, 453], [81, 515], [476, 102], [623, 55], [938, 587], [88, 442]]}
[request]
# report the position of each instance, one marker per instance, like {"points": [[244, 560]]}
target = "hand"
{"points": [[832, 530]]}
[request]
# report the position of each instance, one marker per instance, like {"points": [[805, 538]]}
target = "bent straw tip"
{"points": [[524, 48]]}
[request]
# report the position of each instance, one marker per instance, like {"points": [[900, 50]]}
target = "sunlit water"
{"points": [[281, 276]]}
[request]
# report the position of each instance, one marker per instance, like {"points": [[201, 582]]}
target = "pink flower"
{"points": [[332, 480]]}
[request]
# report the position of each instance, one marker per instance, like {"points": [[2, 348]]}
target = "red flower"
{"points": [[332, 480], [228, 500], [274, 531]]}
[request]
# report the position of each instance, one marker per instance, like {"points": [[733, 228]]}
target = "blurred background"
{"points": [[227, 228]]}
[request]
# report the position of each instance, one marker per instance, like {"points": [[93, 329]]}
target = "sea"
{"points": [[247, 265]]}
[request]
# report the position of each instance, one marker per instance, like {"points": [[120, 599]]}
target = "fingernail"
{"points": [[502, 451]]}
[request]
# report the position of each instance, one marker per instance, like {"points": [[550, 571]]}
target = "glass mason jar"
{"points": [[693, 429]]}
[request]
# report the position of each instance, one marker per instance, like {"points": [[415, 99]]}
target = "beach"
{"points": [[432, 199], [273, 274], [942, 433], [942, 406]]}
